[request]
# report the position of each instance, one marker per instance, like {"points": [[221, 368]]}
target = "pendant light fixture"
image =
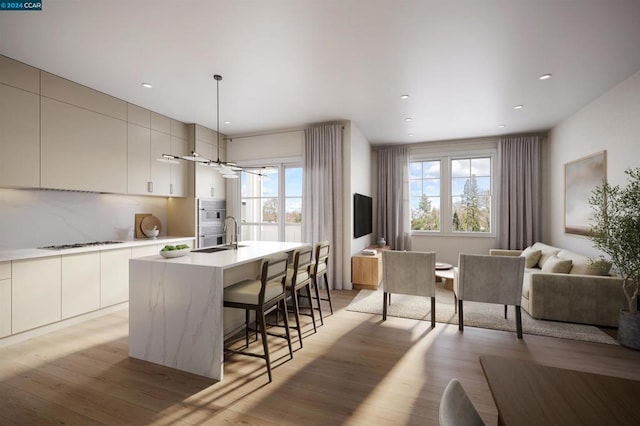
{"points": [[227, 169]]}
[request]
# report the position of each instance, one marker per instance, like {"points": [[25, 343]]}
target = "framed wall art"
{"points": [[581, 177]]}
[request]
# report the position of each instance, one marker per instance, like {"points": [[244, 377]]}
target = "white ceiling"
{"points": [[290, 63]]}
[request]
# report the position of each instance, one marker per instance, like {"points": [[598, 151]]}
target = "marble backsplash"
{"points": [[34, 218]]}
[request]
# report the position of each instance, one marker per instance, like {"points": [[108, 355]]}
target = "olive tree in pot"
{"points": [[616, 231]]}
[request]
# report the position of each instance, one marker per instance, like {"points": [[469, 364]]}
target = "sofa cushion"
{"points": [[532, 256], [547, 252], [556, 265]]}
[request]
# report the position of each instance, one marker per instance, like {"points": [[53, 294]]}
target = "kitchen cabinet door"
{"points": [[19, 138], [82, 150], [35, 293], [204, 175], [80, 283], [114, 276], [160, 171], [138, 159], [179, 172], [5, 307], [5, 299]]}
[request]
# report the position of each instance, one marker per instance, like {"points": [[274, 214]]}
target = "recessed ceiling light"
{"points": [[518, 107], [227, 122], [410, 134], [544, 77], [501, 126], [408, 119], [404, 96], [147, 85]]}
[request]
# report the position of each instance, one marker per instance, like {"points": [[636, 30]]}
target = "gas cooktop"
{"points": [[79, 245]]}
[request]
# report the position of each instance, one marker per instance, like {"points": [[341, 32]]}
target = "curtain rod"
{"points": [[231, 138]]}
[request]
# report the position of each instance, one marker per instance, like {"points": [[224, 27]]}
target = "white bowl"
{"points": [[175, 253], [151, 233]]}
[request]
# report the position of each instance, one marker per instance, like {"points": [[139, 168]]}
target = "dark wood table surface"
{"points": [[527, 393]]}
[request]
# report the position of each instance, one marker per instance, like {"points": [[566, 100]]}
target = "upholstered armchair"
{"points": [[409, 272], [489, 279]]}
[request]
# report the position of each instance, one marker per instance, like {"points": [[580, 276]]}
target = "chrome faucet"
{"points": [[234, 244]]}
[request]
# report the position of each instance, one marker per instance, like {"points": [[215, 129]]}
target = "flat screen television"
{"points": [[362, 215]]}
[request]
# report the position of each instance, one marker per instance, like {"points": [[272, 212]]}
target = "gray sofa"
{"points": [[561, 285]]}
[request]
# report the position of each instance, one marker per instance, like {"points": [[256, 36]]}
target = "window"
{"points": [[452, 194], [471, 194], [424, 182], [263, 201]]}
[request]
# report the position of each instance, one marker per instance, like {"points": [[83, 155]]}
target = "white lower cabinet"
{"points": [[145, 251], [5, 299], [35, 294], [114, 276], [5, 307], [80, 284]]}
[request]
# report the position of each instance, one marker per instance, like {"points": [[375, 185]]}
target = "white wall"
{"points": [[36, 218], [276, 145], [357, 178], [611, 123]]}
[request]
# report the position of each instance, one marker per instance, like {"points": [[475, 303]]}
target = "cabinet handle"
{"points": [[149, 186], [170, 188], [213, 192]]}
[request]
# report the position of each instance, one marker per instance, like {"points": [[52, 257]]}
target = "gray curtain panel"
{"points": [[393, 209], [520, 192], [322, 205]]}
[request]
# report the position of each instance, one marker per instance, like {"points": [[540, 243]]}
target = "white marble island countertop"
{"points": [[247, 251]]}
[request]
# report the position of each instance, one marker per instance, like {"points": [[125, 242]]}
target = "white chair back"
{"points": [[456, 409], [409, 272]]}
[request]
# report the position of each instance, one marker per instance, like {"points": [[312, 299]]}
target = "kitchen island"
{"points": [[176, 304]]}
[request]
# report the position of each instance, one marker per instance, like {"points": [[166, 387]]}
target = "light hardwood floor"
{"points": [[355, 370]]}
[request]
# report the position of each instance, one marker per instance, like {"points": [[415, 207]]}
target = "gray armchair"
{"points": [[409, 272], [489, 279]]}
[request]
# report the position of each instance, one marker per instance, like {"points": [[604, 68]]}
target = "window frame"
{"points": [[446, 202]]}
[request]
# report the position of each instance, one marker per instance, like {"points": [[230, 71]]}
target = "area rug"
{"points": [[483, 315]]}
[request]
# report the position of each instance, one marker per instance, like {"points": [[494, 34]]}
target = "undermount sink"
{"points": [[216, 248]]}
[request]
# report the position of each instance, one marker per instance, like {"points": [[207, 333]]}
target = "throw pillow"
{"points": [[556, 265], [597, 267], [532, 257]]}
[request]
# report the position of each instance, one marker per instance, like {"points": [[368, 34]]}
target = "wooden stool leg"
{"points": [[460, 320], [263, 331], [296, 312], [326, 284], [315, 286]]}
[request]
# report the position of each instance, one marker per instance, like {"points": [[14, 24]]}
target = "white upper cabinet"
{"points": [[138, 159], [82, 150], [209, 183], [19, 124], [160, 171], [83, 140]]}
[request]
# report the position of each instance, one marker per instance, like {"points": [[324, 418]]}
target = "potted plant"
{"points": [[616, 231]]}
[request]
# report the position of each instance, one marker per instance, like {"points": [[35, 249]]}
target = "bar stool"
{"points": [[319, 269], [298, 278], [262, 296]]}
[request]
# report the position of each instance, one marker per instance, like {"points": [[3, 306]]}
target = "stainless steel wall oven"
{"points": [[211, 214]]}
